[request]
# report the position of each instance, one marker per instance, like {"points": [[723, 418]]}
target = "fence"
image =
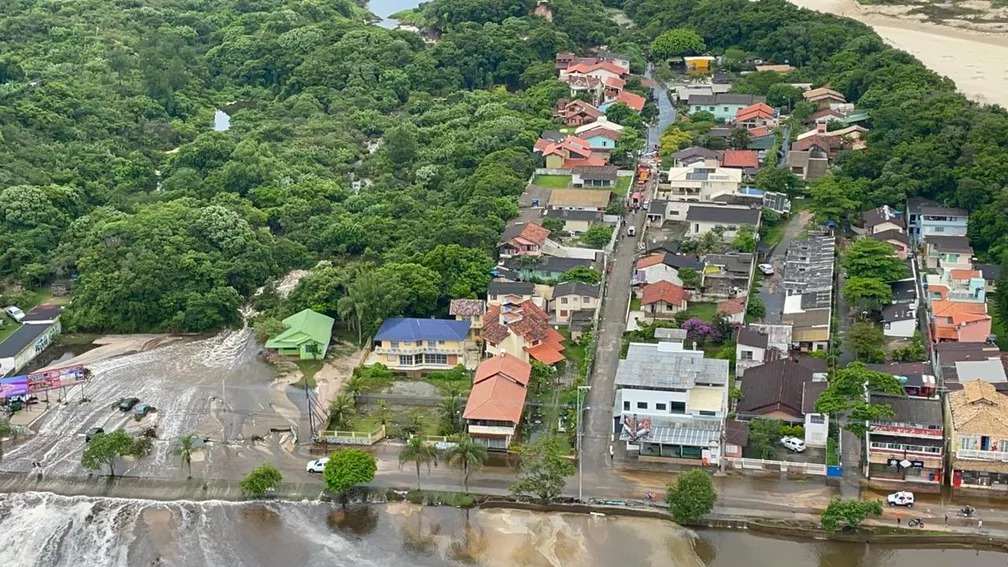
{"points": [[817, 469], [352, 437]]}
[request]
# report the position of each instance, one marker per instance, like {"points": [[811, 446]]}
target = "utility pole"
{"points": [[580, 433]]}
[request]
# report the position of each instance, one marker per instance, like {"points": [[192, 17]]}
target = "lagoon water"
{"points": [[384, 8], [38, 529]]}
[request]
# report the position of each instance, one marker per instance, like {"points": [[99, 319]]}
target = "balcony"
{"points": [[491, 430], [980, 455], [419, 350]]}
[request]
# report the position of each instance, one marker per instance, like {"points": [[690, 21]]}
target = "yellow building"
{"points": [[416, 345], [699, 64]]}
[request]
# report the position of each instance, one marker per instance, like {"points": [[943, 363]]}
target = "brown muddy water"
{"points": [[43, 529]]}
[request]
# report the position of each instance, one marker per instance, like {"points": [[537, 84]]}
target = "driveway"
{"points": [[771, 291]]}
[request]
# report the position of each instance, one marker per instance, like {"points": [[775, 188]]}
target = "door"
{"points": [[985, 443]]}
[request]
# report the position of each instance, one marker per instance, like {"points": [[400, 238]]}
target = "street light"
{"points": [[580, 432]]}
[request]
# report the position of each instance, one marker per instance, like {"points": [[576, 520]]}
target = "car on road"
{"points": [[901, 498], [127, 404], [14, 313], [317, 466], [765, 269], [92, 432], [793, 443], [142, 410]]}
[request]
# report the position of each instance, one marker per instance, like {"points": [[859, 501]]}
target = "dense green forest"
{"points": [[111, 169]]}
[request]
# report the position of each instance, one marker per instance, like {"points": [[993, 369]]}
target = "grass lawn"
{"points": [[623, 184], [999, 326], [702, 310], [635, 304], [775, 234], [553, 181], [574, 352]]}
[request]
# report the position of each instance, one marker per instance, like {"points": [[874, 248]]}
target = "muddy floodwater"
{"points": [[47, 530]]}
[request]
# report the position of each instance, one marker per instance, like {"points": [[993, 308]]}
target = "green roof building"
{"points": [[307, 336]]}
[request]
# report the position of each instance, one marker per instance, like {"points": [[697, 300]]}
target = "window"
{"points": [[395, 344], [563, 313], [707, 413], [442, 342], [678, 407], [661, 407], [641, 405], [726, 109], [419, 343], [746, 355], [585, 299], [435, 358], [711, 108], [626, 406], [431, 344], [405, 360], [817, 419], [563, 301], [939, 229]]}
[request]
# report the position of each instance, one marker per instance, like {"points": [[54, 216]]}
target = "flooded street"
{"points": [[43, 529]]}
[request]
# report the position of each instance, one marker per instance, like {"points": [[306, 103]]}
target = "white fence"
{"points": [[817, 469]]}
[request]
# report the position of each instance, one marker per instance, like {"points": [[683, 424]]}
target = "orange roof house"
{"points": [[633, 100], [759, 114], [495, 403], [964, 322], [740, 159], [663, 299], [571, 152], [523, 239], [522, 330]]}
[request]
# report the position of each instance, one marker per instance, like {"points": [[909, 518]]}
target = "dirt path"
{"points": [[976, 61], [334, 374]]}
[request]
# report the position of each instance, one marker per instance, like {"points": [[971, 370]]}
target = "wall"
{"points": [[975, 332], [41, 343], [816, 433], [903, 329]]}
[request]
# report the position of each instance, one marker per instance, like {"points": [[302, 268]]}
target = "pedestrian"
{"points": [[610, 454], [897, 518], [946, 518], [980, 525]]}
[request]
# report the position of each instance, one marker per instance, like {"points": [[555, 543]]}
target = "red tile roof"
{"points": [[495, 399], [665, 291], [615, 82], [824, 142], [648, 261], [508, 365], [758, 110], [740, 158], [584, 68], [964, 274], [633, 100], [600, 131], [760, 131], [534, 233], [545, 353], [732, 306]]}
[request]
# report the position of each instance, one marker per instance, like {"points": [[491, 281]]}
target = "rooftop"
{"points": [[922, 411], [467, 307], [695, 151], [749, 336], [726, 98], [740, 158], [304, 325], [880, 215], [736, 263], [775, 387], [737, 216], [529, 232], [21, 339], [668, 365], [589, 198], [422, 330], [663, 291], [510, 288], [576, 288], [892, 234], [979, 409], [959, 244], [691, 433], [898, 312], [596, 173], [507, 365], [568, 214], [904, 290], [42, 314], [495, 399], [938, 211]]}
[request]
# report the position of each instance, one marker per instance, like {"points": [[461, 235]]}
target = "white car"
{"points": [[793, 443], [317, 466], [765, 269], [14, 313], [901, 499]]}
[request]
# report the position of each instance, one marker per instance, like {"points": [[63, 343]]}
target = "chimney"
{"points": [[820, 127], [503, 353]]}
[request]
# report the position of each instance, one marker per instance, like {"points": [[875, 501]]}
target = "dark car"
{"points": [[92, 432], [142, 410], [127, 404]]}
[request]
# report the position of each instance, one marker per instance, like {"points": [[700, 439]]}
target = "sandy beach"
{"points": [[948, 50]]}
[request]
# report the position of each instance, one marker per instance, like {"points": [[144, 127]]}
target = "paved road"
{"points": [[770, 291], [666, 110]]}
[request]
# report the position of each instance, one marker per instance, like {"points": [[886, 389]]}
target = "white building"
{"points": [[700, 183]]}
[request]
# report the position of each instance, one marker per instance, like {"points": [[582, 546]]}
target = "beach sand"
{"points": [[976, 61]]}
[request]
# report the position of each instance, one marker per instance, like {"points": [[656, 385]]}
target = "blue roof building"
{"points": [[418, 345], [422, 330]]}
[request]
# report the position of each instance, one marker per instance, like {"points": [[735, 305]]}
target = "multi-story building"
{"points": [[671, 403], [418, 345], [956, 284], [494, 406], [808, 287], [951, 252], [909, 445], [701, 183], [569, 297], [757, 344], [979, 436], [926, 218], [726, 275]]}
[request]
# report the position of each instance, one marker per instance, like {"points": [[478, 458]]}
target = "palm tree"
{"points": [[6, 430], [420, 453], [450, 410], [467, 453], [184, 450], [339, 410], [346, 309], [383, 410], [354, 386]]}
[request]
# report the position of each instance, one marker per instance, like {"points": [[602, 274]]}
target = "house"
{"points": [[740, 159], [671, 403], [471, 310], [990, 274], [757, 344], [728, 218], [682, 92], [736, 438], [575, 222], [695, 154], [576, 112], [725, 106], [917, 378], [544, 267], [882, 219], [569, 153], [811, 162], [958, 363], [523, 239], [909, 445], [926, 219], [785, 390], [899, 320], [657, 210], [960, 322], [699, 63], [979, 437], [905, 292], [510, 292], [620, 60], [664, 266], [601, 139], [595, 177], [777, 202], [898, 239], [580, 322], [39, 328], [306, 336], [810, 328], [599, 70], [635, 101], [565, 59], [775, 68], [570, 297], [663, 299], [808, 268], [494, 407], [579, 200], [956, 284], [726, 275], [522, 330], [733, 309], [417, 345], [756, 115], [948, 252], [581, 85], [824, 97], [698, 182]]}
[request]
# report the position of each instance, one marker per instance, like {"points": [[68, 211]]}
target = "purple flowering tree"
{"points": [[699, 330]]}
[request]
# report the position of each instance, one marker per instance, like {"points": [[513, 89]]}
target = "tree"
{"points": [[552, 224], [779, 180], [6, 430], [691, 496], [348, 468], [468, 455], [830, 201], [597, 236], [623, 115], [339, 411], [699, 330], [865, 340], [581, 274], [677, 42], [738, 139], [867, 294], [745, 239], [184, 451], [784, 96], [764, 434], [401, 145], [690, 277], [543, 469], [106, 449], [541, 377], [261, 480], [846, 393], [267, 327], [419, 452], [848, 513], [451, 414], [870, 258], [755, 310]]}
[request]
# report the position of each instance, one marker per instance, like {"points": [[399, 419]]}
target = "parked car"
{"points": [[765, 269], [631, 230], [14, 313], [127, 404], [901, 498], [92, 432], [793, 443], [317, 466], [142, 410]]}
